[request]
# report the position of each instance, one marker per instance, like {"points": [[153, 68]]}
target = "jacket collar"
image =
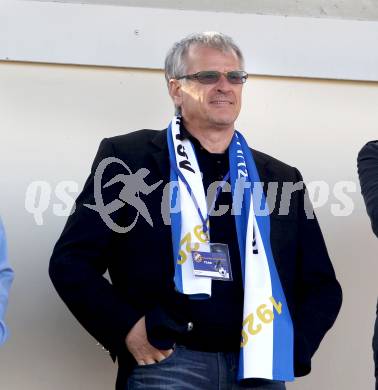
{"points": [[161, 156]]}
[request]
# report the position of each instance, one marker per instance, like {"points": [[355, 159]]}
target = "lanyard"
{"points": [[191, 193]]}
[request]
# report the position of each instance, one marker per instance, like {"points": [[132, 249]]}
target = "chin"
{"points": [[223, 121]]}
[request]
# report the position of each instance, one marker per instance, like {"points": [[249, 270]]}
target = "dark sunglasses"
{"points": [[213, 76]]}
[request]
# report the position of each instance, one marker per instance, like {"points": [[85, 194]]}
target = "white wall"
{"points": [[52, 119], [343, 9], [85, 34]]}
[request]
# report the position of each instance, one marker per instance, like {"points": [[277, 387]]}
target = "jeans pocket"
{"points": [[162, 362]]}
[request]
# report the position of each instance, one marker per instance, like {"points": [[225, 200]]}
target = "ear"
{"points": [[174, 88]]}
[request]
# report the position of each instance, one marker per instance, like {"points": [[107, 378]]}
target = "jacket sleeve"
{"points": [[367, 163], [80, 260], [6, 279], [318, 293]]}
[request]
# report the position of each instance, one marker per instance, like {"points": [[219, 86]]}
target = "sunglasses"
{"points": [[213, 76]]}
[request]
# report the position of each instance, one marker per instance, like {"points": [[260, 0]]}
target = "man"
{"points": [[6, 278], [206, 292], [367, 163]]}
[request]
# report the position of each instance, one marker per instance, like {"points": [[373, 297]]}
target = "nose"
{"points": [[223, 84]]}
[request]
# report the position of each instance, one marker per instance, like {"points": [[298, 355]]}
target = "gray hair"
{"points": [[175, 61]]}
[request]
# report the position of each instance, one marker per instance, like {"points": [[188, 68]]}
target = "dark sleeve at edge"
{"points": [[367, 164]]}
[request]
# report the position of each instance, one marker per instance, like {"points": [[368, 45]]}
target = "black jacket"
{"points": [[140, 262]]}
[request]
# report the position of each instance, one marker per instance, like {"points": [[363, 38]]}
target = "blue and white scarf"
{"points": [[267, 329]]}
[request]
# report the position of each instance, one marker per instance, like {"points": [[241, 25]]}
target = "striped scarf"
{"points": [[267, 331]]}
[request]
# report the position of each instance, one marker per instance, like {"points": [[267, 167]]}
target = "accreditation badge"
{"points": [[212, 260]]}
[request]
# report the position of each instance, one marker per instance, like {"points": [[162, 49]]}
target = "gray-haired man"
{"points": [[169, 316]]}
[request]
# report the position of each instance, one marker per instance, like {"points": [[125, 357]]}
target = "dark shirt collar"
{"points": [[185, 134]]}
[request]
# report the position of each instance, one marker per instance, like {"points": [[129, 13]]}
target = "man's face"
{"points": [[205, 106]]}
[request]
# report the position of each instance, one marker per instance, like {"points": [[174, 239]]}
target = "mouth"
{"points": [[220, 102]]}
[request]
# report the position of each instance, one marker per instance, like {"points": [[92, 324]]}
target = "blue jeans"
{"points": [[186, 369]]}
